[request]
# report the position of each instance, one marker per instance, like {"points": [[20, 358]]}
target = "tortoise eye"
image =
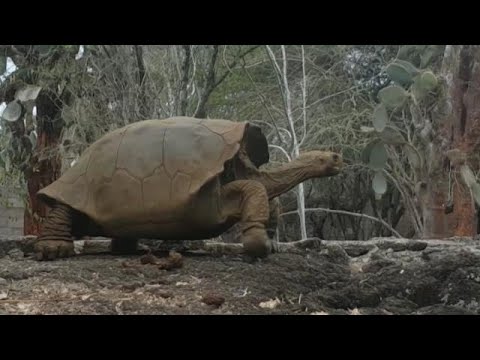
{"points": [[335, 157]]}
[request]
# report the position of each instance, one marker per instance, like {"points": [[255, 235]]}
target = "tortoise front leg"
{"points": [[272, 224], [248, 201], [55, 240]]}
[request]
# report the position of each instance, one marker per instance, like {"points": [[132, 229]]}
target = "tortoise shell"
{"points": [[148, 171]]}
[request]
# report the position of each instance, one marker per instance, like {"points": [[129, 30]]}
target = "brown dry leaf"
{"points": [[174, 261]]}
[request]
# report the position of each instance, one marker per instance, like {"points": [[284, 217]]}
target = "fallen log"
{"points": [[103, 246], [94, 246]]}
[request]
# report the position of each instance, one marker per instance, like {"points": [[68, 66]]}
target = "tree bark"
{"points": [[46, 163], [466, 133], [458, 126]]}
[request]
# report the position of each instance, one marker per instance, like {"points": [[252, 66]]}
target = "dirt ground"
{"points": [[357, 278]]}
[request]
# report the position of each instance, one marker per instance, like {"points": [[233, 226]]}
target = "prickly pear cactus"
{"points": [[409, 89]]}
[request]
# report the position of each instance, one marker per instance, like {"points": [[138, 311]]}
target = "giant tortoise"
{"points": [[178, 178]]}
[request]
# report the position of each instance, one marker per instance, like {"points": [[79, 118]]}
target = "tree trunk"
{"points": [[46, 166], [466, 133], [458, 127]]}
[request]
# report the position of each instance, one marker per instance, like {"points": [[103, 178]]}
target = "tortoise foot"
{"points": [[53, 249], [256, 243]]}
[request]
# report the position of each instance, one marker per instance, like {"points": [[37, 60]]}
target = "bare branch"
{"points": [[201, 111], [304, 98], [141, 80], [351, 214], [182, 96], [282, 150], [264, 103], [234, 63]]}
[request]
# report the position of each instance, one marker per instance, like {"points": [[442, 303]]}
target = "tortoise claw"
{"points": [[52, 249]]}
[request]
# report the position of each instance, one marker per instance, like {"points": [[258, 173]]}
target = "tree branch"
{"points": [[182, 93], [234, 63], [210, 85], [141, 80], [348, 213], [304, 98]]}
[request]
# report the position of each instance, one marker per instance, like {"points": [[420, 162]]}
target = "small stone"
{"points": [[270, 304], [165, 294], [3, 281], [16, 254], [337, 254], [417, 246], [149, 259], [375, 265], [358, 250], [132, 286], [213, 300]]}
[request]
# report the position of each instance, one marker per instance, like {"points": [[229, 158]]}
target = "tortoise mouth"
{"points": [[335, 169]]}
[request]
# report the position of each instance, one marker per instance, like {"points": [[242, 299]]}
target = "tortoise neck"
{"points": [[281, 179]]}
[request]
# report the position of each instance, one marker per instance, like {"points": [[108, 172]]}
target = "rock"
{"points": [[270, 304], [443, 310], [398, 305], [337, 254], [417, 246], [411, 245], [16, 254], [3, 282], [213, 300], [132, 286], [375, 265], [148, 259], [164, 294], [358, 250]]}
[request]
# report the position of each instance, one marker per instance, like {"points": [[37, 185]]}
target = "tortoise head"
{"points": [[321, 163]]}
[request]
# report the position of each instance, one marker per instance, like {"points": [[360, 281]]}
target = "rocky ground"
{"points": [[382, 276]]}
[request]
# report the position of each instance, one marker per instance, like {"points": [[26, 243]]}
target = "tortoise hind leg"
{"points": [[55, 240]]}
